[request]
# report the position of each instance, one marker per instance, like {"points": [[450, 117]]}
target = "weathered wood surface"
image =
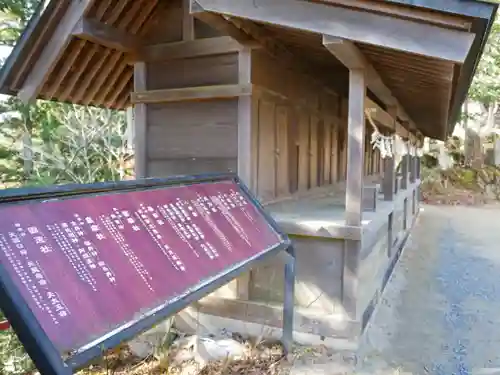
{"points": [[359, 26], [389, 179], [188, 49], [100, 33], [349, 54], [201, 93], [193, 72], [140, 124]]}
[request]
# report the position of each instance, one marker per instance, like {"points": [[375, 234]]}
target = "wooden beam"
{"points": [[350, 55], [192, 93], [183, 50], [346, 52], [399, 129], [412, 13], [107, 36], [378, 115], [53, 50], [371, 28], [220, 23]]}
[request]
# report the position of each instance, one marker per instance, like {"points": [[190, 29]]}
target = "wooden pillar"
{"points": [[247, 147], [140, 123], [187, 22], [355, 147], [247, 133], [354, 186]]}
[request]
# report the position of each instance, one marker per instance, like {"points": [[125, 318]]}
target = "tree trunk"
{"points": [[469, 137], [496, 149], [482, 133], [27, 143], [478, 157]]}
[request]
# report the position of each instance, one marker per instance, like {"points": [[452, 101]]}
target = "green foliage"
{"points": [[51, 143], [485, 87], [69, 143], [429, 161], [14, 16]]}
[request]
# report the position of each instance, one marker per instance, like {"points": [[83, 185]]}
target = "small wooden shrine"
{"points": [[291, 95]]}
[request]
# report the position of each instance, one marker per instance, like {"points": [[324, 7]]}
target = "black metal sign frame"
{"points": [[44, 354]]}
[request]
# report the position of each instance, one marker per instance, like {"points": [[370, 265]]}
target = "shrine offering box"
{"points": [[86, 267]]}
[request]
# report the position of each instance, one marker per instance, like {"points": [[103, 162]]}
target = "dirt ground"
{"points": [[440, 313]]}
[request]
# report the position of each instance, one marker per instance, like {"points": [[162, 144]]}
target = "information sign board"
{"points": [[96, 266]]}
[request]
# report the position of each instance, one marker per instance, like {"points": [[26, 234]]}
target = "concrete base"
{"points": [[192, 321]]}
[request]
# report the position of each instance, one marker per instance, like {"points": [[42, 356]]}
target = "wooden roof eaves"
{"points": [[25, 44], [483, 13]]}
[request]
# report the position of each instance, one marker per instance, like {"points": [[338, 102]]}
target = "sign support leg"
{"points": [[289, 300]]}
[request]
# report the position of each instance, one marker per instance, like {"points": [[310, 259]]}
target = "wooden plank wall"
{"points": [[186, 137], [300, 128], [298, 131], [190, 137]]}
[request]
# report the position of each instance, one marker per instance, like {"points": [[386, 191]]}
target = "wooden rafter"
{"points": [[77, 97], [122, 82], [74, 58], [349, 55], [79, 68], [112, 70], [53, 50], [69, 64], [370, 28]]}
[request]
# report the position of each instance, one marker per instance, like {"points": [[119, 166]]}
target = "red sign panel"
{"points": [[88, 265]]}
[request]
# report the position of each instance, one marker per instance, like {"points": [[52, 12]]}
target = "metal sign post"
{"points": [[84, 268]]}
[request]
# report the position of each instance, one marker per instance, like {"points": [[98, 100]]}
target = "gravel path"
{"points": [[440, 313]]}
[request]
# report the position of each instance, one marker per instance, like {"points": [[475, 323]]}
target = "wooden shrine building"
{"points": [[287, 93]]}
